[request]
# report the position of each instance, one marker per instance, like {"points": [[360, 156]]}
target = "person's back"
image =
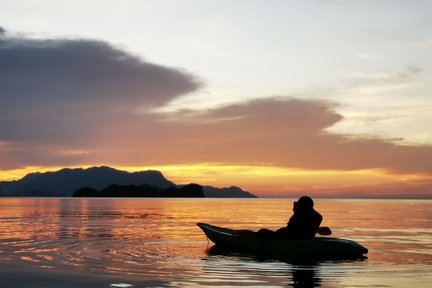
{"points": [[304, 223]]}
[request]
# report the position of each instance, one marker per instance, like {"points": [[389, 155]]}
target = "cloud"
{"points": [[76, 102], [401, 77], [397, 189], [51, 89], [290, 132], [283, 132]]}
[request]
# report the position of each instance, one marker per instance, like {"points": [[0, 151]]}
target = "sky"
{"points": [[328, 98]]}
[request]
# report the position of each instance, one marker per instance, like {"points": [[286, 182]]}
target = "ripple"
{"points": [[133, 244], [106, 254]]}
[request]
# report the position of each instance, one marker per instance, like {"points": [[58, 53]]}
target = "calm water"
{"points": [[155, 243]]}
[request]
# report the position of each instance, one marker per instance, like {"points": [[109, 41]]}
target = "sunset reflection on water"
{"points": [[159, 239]]}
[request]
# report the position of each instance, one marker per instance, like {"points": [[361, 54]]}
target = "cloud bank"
{"points": [[75, 102], [54, 88], [285, 132]]}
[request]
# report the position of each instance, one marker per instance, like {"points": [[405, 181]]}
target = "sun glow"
{"points": [[262, 180], [266, 180], [16, 174]]}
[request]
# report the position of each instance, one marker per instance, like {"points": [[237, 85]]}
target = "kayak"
{"points": [[317, 248]]}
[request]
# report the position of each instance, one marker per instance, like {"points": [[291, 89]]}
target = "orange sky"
{"points": [[270, 181], [272, 147], [74, 102]]}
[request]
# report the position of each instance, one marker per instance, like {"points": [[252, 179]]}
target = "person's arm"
{"points": [[325, 231]]}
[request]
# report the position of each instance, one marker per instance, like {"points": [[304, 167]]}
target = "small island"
{"points": [[144, 190]]}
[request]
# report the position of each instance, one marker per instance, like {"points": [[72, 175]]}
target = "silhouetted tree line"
{"points": [[144, 190]]}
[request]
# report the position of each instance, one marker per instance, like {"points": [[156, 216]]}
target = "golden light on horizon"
{"points": [[264, 180], [16, 174], [273, 180]]}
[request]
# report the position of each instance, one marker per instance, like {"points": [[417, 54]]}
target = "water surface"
{"points": [[155, 243]]}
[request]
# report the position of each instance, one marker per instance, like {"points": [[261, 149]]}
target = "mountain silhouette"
{"points": [[65, 182], [144, 190], [231, 192]]}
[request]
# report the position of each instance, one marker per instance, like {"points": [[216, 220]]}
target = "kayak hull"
{"points": [[317, 248]]}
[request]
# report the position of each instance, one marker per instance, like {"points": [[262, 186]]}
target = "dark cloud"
{"points": [[55, 87]]}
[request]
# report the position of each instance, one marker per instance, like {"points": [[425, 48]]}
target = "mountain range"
{"points": [[65, 182]]}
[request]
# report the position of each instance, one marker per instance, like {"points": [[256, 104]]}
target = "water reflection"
{"points": [[141, 240], [226, 266], [100, 236], [305, 277]]}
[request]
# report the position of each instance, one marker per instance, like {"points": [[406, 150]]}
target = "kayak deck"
{"points": [[316, 248]]}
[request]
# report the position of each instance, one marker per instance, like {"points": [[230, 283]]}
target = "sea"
{"points": [[150, 242]]}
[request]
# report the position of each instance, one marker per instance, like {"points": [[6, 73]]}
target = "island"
{"points": [[105, 181], [144, 190]]}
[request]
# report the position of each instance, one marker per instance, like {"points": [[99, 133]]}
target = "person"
{"points": [[303, 224], [305, 221]]}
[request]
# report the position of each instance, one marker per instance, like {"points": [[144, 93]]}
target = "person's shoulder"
{"points": [[317, 214]]}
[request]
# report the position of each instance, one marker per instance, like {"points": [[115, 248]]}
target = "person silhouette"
{"points": [[305, 221], [303, 224]]}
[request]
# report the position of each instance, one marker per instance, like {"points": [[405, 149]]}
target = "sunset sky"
{"points": [[281, 98]]}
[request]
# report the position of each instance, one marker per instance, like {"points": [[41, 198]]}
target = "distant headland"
{"points": [[109, 182]]}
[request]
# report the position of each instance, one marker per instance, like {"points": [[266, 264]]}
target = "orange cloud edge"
{"points": [[273, 181]]}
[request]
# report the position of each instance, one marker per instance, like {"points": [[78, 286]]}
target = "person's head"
{"points": [[304, 203]]}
